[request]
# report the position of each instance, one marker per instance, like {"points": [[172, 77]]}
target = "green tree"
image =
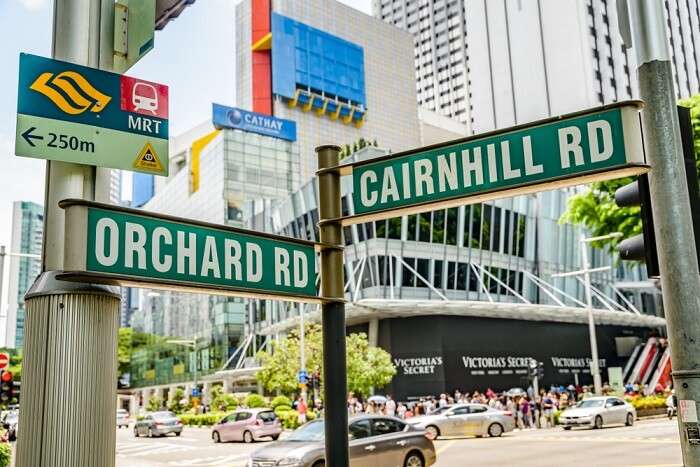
{"points": [[224, 402], [154, 403], [595, 208], [367, 366], [124, 340], [176, 401]]}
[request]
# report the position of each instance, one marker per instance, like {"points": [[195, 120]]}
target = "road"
{"points": [[651, 443]]}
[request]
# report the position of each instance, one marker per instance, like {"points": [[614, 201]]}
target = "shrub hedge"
{"points": [[5, 454], [281, 400]]}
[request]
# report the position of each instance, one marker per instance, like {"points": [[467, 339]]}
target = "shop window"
{"points": [[439, 226], [451, 226], [408, 277], [424, 227], [462, 273], [395, 228], [411, 233], [423, 269], [437, 274]]}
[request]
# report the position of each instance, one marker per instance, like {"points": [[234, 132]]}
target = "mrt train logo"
{"points": [[71, 92]]}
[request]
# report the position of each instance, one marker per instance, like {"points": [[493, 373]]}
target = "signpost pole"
{"points": [[333, 312], [670, 204], [70, 329]]}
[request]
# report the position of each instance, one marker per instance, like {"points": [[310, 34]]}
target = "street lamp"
{"points": [[586, 271]]}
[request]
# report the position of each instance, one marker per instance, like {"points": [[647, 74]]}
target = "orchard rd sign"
{"points": [[578, 148], [123, 246]]}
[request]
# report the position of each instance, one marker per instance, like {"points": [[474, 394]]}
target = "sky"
{"points": [[194, 55]]}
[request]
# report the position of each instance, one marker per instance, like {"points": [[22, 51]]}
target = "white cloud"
{"points": [[34, 5]]}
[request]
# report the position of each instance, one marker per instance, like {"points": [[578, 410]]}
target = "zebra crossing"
{"points": [[197, 450], [149, 449]]}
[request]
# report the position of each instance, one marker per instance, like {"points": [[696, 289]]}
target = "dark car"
{"points": [[375, 441], [158, 424]]}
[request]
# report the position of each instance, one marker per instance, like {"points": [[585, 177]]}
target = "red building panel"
{"points": [[261, 19], [262, 60]]}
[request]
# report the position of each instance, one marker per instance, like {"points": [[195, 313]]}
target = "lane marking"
{"points": [[444, 447], [595, 439], [211, 461], [130, 450]]}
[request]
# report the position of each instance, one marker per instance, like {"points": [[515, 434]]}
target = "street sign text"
{"points": [[548, 152], [127, 246]]}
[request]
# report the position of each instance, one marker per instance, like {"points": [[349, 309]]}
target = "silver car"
{"points": [[596, 412], [122, 418], [158, 424], [465, 420], [375, 441]]}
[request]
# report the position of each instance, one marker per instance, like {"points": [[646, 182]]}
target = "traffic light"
{"points": [[6, 387], [540, 370], [643, 246]]}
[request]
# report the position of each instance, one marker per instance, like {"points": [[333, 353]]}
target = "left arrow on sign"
{"points": [[28, 136]]}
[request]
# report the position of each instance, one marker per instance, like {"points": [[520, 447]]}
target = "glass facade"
{"points": [[236, 168], [215, 323], [480, 252], [257, 167]]}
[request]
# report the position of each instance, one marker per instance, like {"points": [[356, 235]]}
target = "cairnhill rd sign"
{"points": [[122, 246], [596, 144]]}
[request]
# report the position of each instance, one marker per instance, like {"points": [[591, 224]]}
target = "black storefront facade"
{"points": [[436, 354]]}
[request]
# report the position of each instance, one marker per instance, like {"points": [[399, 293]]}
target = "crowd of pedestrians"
{"points": [[530, 410]]}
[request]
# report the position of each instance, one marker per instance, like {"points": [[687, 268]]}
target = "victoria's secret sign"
{"points": [[419, 365]]}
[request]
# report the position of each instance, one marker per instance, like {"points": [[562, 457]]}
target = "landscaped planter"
{"points": [[641, 413]]}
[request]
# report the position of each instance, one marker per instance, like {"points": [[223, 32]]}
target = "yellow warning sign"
{"points": [[148, 159]]}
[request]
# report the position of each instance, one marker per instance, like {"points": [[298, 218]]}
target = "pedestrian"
{"points": [[548, 410], [523, 413], [401, 411], [301, 409], [390, 406]]}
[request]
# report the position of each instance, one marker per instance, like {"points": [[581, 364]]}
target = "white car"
{"points": [[464, 420], [596, 412], [122, 418]]}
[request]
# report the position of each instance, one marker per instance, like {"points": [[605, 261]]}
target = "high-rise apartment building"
{"points": [[531, 59], [440, 38], [27, 232]]}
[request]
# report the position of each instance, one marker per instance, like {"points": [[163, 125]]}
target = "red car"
{"points": [[247, 425]]}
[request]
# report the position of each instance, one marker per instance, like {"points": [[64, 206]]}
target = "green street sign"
{"points": [[592, 145], [114, 245], [82, 115], [134, 31]]}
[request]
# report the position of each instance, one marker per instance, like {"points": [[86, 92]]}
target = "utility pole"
{"points": [[595, 365], [670, 203], [70, 345], [586, 272], [333, 309]]}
